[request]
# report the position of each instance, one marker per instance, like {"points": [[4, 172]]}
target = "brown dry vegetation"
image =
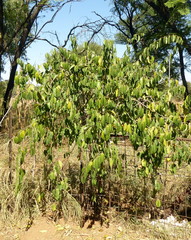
{"points": [[127, 216], [18, 221]]}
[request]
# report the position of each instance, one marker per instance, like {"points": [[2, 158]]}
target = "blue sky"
{"points": [[71, 15]]}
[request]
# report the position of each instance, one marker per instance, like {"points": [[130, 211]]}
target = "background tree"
{"points": [[132, 21], [16, 34], [93, 46], [153, 20]]}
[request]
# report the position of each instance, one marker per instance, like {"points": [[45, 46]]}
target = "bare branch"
{"points": [[46, 40], [112, 24], [89, 26], [36, 35], [120, 16], [58, 40], [54, 15], [4, 116]]}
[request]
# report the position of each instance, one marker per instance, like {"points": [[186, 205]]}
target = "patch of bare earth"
{"points": [[45, 229]]}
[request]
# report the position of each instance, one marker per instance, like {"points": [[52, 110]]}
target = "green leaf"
{"points": [[127, 128], [56, 194], [19, 138], [157, 186], [144, 163], [158, 203], [184, 11], [52, 175], [173, 3], [54, 207]]}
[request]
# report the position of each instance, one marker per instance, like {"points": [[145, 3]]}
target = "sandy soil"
{"points": [[44, 229]]}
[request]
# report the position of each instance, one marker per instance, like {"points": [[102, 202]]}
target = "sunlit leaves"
{"points": [[171, 38], [20, 136], [181, 6], [86, 99]]}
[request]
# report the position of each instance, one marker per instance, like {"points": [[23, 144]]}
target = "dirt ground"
{"points": [[45, 229]]}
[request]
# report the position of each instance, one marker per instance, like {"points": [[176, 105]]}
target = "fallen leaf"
{"points": [[120, 229], [59, 227], [43, 231]]}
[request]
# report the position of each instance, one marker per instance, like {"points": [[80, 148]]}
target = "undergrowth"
{"points": [[128, 193]]}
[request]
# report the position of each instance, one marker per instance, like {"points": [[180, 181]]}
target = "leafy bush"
{"points": [[87, 99]]}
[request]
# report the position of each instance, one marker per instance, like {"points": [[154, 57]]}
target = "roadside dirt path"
{"points": [[44, 229]]}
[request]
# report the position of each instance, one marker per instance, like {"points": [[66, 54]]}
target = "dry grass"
{"points": [[17, 210], [23, 205]]}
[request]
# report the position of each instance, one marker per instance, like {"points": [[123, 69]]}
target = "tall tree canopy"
{"points": [[17, 33], [152, 20]]}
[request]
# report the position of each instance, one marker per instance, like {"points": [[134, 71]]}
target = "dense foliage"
{"points": [[89, 98], [152, 20]]}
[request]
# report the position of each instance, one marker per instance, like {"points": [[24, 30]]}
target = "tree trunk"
{"points": [[1, 34], [182, 71], [10, 87], [18, 52]]}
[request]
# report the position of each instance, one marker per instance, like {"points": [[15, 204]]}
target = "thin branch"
{"points": [[54, 34], [96, 32], [113, 24], [71, 32], [54, 15], [2, 119], [46, 40], [120, 16], [58, 40], [90, 26], [36, 36]]}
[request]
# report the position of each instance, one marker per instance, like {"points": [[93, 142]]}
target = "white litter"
{"points": [[171, 220]]}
